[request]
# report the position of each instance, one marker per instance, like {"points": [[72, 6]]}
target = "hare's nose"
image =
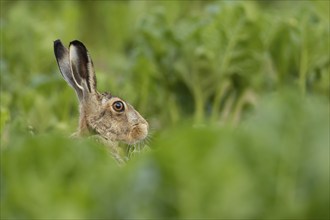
{"points": [[139, 132], [140, 122], [145, 123], [144, 128]]}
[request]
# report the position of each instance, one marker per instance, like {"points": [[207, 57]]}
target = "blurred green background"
{"points": [[236, 93]]}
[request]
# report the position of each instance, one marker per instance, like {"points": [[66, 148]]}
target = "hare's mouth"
{"points": [[138, 133]]}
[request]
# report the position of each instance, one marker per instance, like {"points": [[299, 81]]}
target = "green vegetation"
{"points": [[236, 93]]}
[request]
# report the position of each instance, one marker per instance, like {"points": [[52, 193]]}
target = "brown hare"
{"points": [[108, 118]]}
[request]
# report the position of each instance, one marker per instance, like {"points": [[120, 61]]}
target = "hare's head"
{"points": [[100, 113]]}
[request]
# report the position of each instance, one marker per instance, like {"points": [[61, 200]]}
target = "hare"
{"points": [[108, 118]]}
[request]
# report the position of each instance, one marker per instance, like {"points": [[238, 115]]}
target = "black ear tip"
{"points": [[59, 49], [57, 42], [77, 43]]}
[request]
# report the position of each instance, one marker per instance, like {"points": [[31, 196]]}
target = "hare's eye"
{"points": [[118, 106]]}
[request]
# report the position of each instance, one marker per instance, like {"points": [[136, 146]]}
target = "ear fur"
{"points": [[82, 66], [63, 62]]}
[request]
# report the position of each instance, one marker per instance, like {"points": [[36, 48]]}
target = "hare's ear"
{"points": [[63, 62], [82, 66]]}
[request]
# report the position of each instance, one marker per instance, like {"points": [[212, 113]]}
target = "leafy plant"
{"points": [[236, 94]]}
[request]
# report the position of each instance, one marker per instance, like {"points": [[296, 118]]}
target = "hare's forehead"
{"points": [[104, 100], [109, 100], [105, 97]]}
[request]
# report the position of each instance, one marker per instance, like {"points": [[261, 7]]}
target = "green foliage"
{"points": [[227, 51], [236, 93], [273, 166]]}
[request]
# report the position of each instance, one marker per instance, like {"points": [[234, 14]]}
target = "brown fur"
{"points": [[97, 114]]}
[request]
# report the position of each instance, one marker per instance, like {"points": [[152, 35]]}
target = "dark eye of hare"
{"points": [[118, 106]]}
